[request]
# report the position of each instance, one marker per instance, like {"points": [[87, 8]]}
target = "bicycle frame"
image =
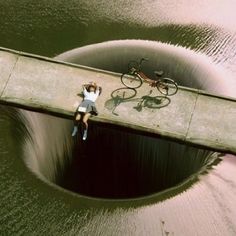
{"points": [[137, 71], [145, 78], [165, 86]]}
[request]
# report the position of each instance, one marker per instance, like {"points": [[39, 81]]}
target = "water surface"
{"points": [[29, 202]]}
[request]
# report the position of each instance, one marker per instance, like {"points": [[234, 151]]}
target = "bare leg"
{"points": [[77, 117], [75, 129], [85, 121]]}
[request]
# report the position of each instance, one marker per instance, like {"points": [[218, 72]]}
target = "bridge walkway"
{"points": [[191, 116]]}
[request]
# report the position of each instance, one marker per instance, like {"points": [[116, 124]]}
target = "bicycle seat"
{"points": [[159, 73]]}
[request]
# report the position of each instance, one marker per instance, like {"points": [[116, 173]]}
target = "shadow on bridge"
{"points": [[124, 95]]}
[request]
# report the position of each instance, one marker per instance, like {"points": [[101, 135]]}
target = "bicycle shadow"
{"points": [[124, 95]]}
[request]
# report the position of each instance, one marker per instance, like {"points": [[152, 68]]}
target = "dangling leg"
{"points": [[76, 121], [85, 121]]}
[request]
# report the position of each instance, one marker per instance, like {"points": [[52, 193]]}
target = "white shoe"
{"points": [[75, 130], [85, 134]]}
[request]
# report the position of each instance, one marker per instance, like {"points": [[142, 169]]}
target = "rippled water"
{"points": [[200, 45]]}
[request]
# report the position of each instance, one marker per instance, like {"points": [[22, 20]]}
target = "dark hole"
{"points": [[116, 164]]}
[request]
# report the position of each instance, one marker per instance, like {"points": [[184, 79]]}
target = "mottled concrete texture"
{"points": [[7, 63], [42, 84]]}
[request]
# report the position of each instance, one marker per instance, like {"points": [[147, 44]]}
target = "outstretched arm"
{"points": [[84, 86]]}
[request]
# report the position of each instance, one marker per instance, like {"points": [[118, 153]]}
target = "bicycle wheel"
{"points": [[123, 93], [131, 81], [156, 102], [167, 86]]}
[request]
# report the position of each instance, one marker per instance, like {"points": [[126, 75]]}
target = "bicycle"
{"points": [[134, 79]]}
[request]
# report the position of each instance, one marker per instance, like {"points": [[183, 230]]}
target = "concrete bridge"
{"points": [[45, 85]]}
